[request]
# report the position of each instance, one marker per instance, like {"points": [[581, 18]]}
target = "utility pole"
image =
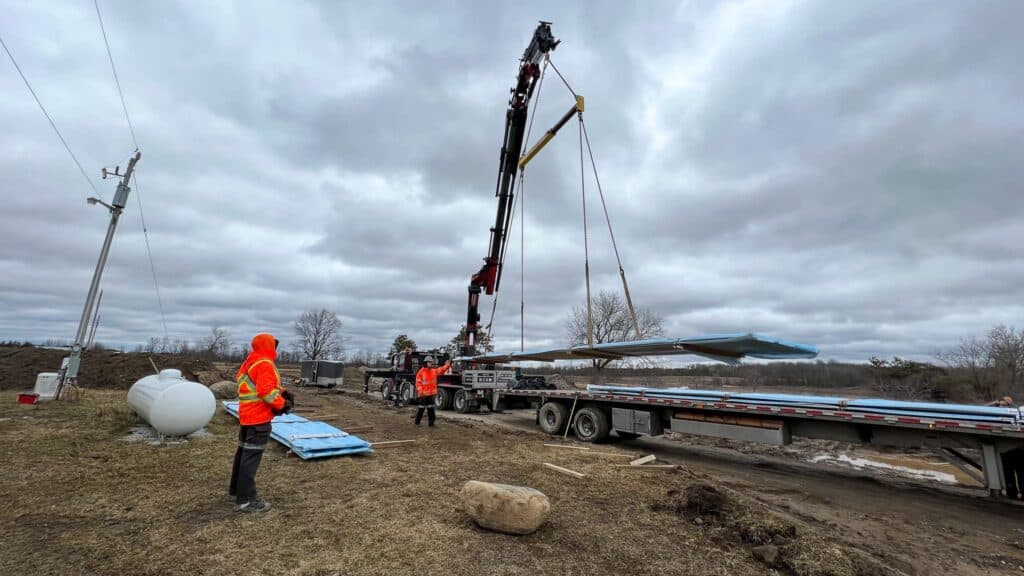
{"points": [[68, 375], [95, 322]]}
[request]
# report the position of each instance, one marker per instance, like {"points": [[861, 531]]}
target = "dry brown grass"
{"points": [[80, 499]]}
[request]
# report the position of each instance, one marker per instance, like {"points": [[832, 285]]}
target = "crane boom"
{"points": [[489, 275]]}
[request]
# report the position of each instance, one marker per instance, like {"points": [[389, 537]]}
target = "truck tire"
{"points": [[385, 390], [591, 424], [408, 393], [552, 417], [443, 401], [460, 402]]}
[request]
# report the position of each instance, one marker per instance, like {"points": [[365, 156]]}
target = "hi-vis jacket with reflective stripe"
{"points": [[259, 383], [426, 379]]}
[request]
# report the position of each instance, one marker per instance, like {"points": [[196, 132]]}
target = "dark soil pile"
{"points": [[777, 541], [100, 368]]}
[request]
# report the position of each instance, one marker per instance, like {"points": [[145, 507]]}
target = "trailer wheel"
{"points": [[552, 417], [591, 424], [443, 401], [460, 402], [408, 392], [385, 390]]}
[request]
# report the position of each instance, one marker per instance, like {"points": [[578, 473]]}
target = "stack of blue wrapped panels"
{"points": [[309, 438], [991, 414]]}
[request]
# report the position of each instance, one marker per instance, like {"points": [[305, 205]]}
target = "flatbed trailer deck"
{"points": [[991, 453]]}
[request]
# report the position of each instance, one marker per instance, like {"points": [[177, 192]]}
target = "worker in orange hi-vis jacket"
{"points": [[260, 397], [426, 389]]}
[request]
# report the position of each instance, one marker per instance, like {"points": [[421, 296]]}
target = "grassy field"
{"points": [[81, 499]]}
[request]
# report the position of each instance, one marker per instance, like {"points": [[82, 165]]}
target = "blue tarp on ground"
{"points": [[309, 438]]}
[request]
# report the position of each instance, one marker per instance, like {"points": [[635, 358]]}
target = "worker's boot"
{"points": [[254, 506]]}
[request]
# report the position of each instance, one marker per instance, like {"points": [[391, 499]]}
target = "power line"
{"points": [[152, 266], [114, 70], [135, 179], [47, 114]]}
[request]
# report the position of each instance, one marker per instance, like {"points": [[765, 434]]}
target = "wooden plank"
{"points": [[564, 470], [647, 466], [390, 443], [567, 446], [354, 429], [641, 461]]}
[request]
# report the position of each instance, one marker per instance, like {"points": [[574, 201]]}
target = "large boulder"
{"points": [[504, 508], [208, 377], [225, 390]]}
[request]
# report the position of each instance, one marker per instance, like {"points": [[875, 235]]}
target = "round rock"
{"points": [[225, 389], [504, 508]]}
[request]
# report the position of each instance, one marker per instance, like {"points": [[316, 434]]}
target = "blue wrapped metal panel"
{"points": [[883, 407], [935, 407], [310, 438]]}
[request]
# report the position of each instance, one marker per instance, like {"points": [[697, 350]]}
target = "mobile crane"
{"points": [[488, 279], [471, 386]]}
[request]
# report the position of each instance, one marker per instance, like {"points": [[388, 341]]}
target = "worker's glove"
{"points": [[289, 401]]}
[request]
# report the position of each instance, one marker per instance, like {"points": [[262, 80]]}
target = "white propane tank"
{"points": [[172, 405]]}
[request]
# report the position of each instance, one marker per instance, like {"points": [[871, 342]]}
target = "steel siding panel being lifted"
{"points": [[727, 348]]}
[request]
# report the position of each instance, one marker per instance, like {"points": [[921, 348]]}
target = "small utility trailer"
{"points": [[324, 373], [989, 449]]}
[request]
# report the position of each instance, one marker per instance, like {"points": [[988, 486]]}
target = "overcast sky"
{"points": [[844, 174]]}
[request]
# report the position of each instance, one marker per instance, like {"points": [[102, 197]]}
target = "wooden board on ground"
{"points": [[647, 466], [644, 460], [564, 470]]}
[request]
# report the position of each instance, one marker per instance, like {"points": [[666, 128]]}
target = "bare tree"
{"points": [[217, 344], [1006, 349], [611, 322], [319, 333], [153, 345], [972, 357]]}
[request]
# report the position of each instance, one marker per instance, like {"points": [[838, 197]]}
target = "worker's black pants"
{"points": [[426, 403], [252, 440]]}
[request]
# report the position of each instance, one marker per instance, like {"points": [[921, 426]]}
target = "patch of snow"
{"points": [[862, 463], [154, 438]]}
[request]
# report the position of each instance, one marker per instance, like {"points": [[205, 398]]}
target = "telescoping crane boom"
{"points": [[512, 160]]}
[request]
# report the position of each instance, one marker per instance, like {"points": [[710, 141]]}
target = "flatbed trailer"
{"points": [[991, 453]]}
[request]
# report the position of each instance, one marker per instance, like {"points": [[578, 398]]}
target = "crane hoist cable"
{"points": [[604, 205], [586, 242], [584, 140], [611, 233]]}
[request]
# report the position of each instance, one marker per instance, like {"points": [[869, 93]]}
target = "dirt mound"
{"points": [[700, 499], [100, 368], [778, 541]]}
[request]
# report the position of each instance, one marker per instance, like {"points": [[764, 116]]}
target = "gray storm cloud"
{"points": [[840, 174]]}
